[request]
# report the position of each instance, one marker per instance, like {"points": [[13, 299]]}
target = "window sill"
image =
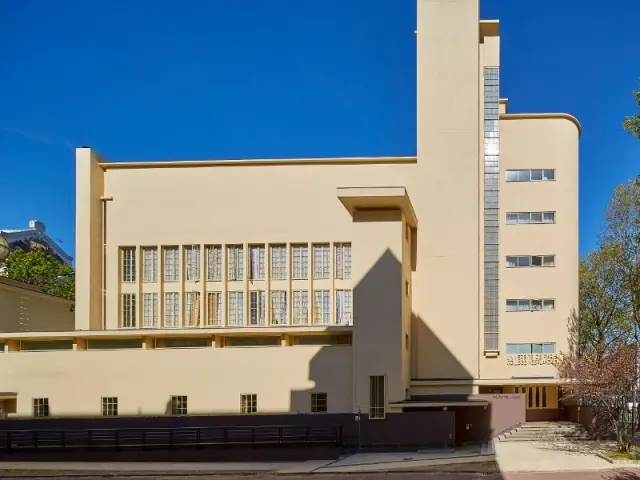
{"points": [[492, 353]]}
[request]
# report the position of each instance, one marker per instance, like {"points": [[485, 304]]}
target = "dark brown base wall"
{"points": [[543, 415]]}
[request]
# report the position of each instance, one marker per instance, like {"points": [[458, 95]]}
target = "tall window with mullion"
{"points": [[300, 307], [257, 262], [235, 309], [129, 310], [192, 262], [214, 263], [278, 307], [235, 262], [150, 310], [41, 407], [150, 264], [343, 260], [109, 406], [377, 397], [300, 261], [278, 262], [344, 307], [256, 307], [191, 309], [214, 309], [128, 259], [171, 264], [171, 310], [321, 261], [321, 307]]}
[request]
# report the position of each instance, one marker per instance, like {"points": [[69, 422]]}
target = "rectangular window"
{"points": [[279, 262], [128, 255], [235, 261], [191, 309], [300, 307], [321, 340], [150, 313], [514, 218], [535, 175], [248, 403], [256, 307], [318, 403], [187, 342], [114, 344], [377, 407], [235, 309], [128, 318], [192, 262], [41, 407], [214, 263], [179, 405], [344, 307], [109, 406], [171, 310], [321, 307], [343, 260], [528, 348], [43, 346], [150, 264], [300, 261], [257, 260], [321, 261], [214, 309], [521, 305], [171, 264], [269, 341], [520, 261], [278, 307]]}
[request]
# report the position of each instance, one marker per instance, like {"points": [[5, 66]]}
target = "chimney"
{"points": [[36, 225]]}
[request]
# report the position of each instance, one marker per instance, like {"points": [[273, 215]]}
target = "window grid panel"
{"points": [[128, 255], [214, 263], [256, 307], [179, 405], [150, 310], [343, 260], [321, 307], [192, 309], [278, 262], [526, 261], [248, 403], [318, 403], [235, 260], [128, 310], [41, 407], [235, 309], [109, 406], [278, 307], [171, 264], [192, 262], [530, 305], [257, 260], [531, 348], [300, 307], [514, 218], [300, 262], [214, 309], [530, 175], [321, 261], [171, 310], [150, 264], [344, 307], [377, 407]]}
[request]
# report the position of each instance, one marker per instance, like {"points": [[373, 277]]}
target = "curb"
{"points": [[617, 462]]}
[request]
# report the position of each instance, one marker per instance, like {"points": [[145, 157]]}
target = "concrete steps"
{"points": [[544, 431]]}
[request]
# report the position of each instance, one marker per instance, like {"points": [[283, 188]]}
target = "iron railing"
{"points": [[171, 438]]}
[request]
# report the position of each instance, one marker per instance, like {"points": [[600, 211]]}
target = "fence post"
{"points": [[144, 439], [63, 439], [171, 438], [117, 439], [8, 441], [89, 439], [253, 436]]}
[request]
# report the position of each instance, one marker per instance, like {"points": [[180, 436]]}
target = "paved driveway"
{"points": [[548, 456]]}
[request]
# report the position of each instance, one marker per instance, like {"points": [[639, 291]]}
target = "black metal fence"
{"points": [[277, 436]]}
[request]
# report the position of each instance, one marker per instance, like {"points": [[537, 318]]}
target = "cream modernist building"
{"points": [[313, 285]]}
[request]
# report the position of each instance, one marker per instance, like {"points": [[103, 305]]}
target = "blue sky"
{"points": [[143, 80]]}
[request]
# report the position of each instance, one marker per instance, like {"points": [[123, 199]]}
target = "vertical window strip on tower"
{"points": [[491, 206]]}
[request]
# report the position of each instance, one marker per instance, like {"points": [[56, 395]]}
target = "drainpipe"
{"points": [[103, 201]]}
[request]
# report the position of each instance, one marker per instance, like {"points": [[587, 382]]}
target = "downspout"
{"points": [[103, 201]]}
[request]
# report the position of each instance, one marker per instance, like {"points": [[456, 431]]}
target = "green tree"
{"points": [[632, 122], [38, 268]]}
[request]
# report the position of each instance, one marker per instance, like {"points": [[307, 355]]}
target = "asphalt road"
{"points": [[626, 474]]}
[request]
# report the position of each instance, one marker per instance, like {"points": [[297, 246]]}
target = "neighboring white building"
{"points": [[35, 237]]}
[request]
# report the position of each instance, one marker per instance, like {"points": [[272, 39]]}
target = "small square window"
{"points": [[549, 217], [549, 348], [536, 217], [536, 304], [549, 174], [536, 175], [318, 403], [549, 260], [179, 405], [512, 305], [248, 403], [536, 261], [40, 407], [512, 175], [524, 175], [524, 261], [109, 406]]}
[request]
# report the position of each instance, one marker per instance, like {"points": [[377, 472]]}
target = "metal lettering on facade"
{"points": [[533, 359]]}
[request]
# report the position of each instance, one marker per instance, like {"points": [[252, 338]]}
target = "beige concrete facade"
{"points": [[412, 229]]}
